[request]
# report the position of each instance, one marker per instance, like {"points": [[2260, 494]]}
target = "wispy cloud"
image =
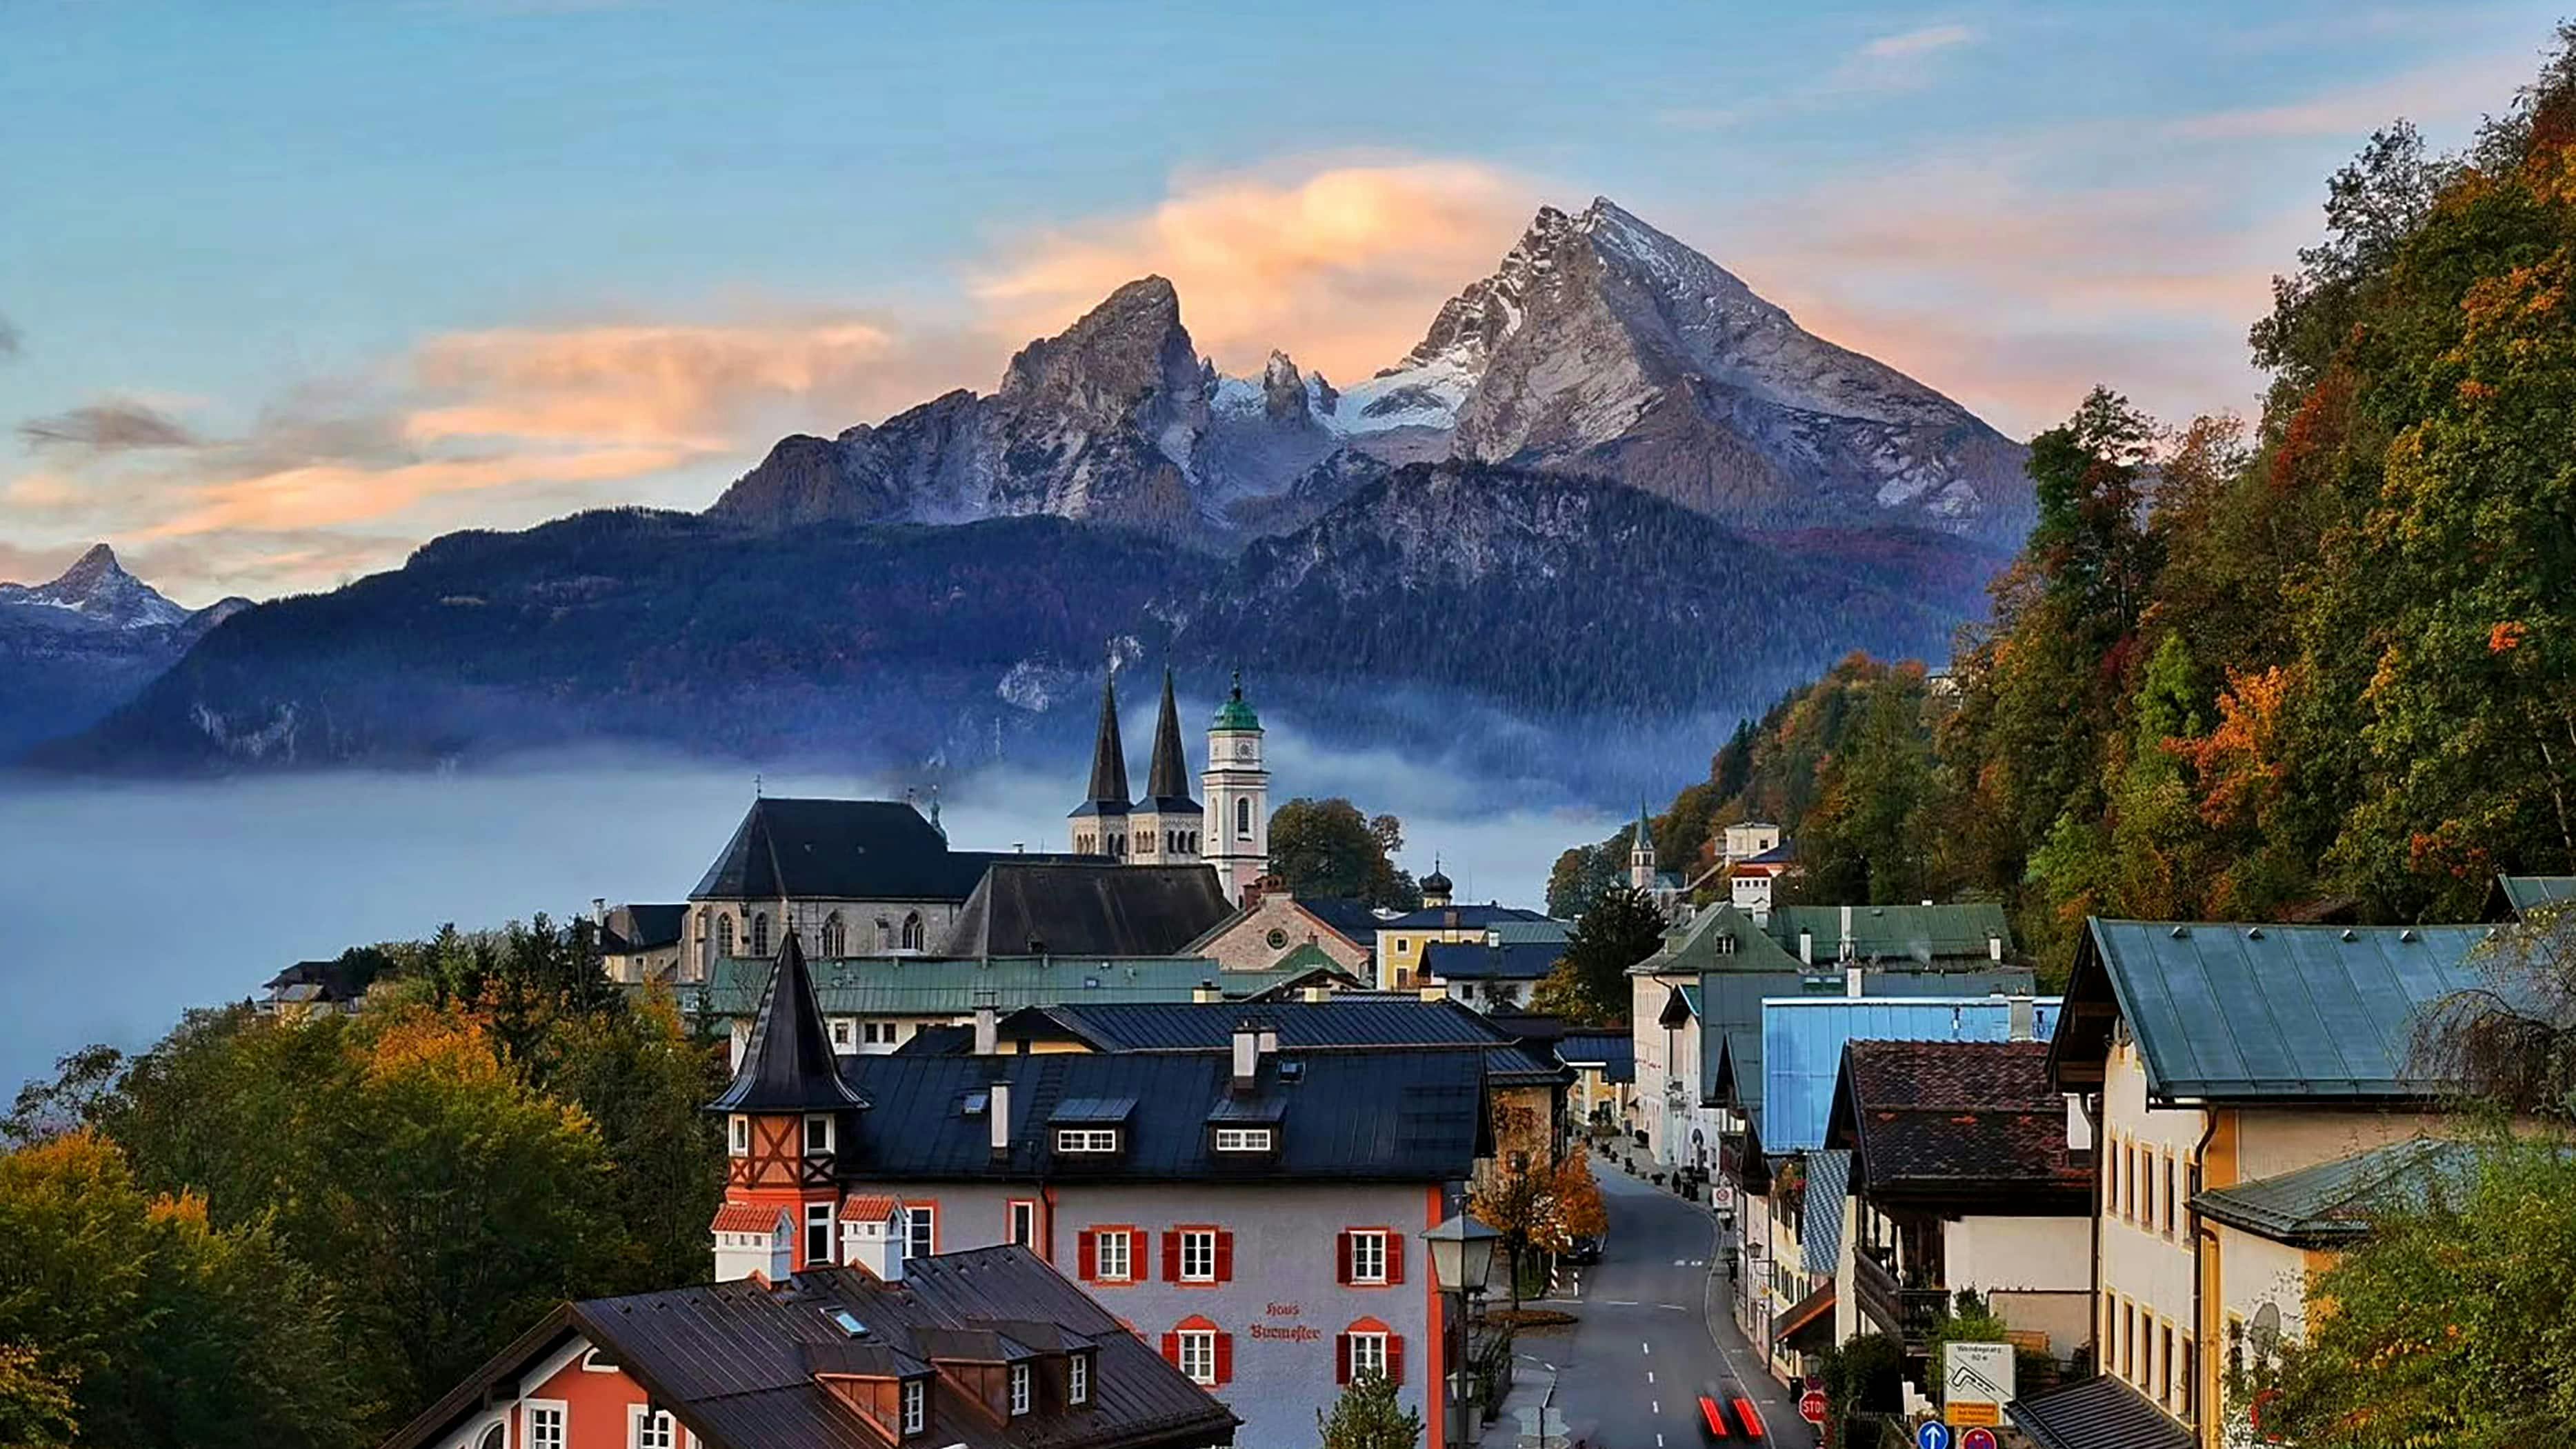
{"points": [[113, 426], [1918, 42], [2447, 89], [1343, 263], [1906, 60]]}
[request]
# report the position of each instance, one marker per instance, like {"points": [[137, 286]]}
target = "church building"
{"points": [[1231, 832]]}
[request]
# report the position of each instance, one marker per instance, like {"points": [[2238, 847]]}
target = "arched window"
{"points": [[496, 1437], [706, 945], [912, 931], [724, 935], [760, 933], [1243, 819], [836, 936]]}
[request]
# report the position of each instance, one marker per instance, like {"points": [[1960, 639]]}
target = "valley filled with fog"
{"points": [[127, 902]]}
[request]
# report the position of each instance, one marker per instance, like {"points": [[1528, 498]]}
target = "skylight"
{"points": [[848, 1321]]}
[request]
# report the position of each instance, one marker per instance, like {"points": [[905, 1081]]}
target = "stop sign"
{"points": [[1811, 1406]]}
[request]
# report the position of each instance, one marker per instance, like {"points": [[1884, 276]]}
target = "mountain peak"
{"points": [[96, 565], [98, 588]]}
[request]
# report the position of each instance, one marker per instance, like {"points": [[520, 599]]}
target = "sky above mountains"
{"points": [[286, 290]]}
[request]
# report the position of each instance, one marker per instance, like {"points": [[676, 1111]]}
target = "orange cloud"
{"points": [[322, 495], [1344, 267]]}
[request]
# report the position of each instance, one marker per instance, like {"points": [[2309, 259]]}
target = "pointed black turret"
{"points": [[1167, 781], [1108, 759], [788, 1064]]}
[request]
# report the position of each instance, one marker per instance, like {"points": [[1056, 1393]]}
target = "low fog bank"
{"points": [[128, 902]]}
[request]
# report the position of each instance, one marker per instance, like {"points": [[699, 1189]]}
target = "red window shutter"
{"points": [[1394, 1256], [1395, 1358], [1225, 1358], [1172, 1349], [1341, 1358], [1086, 1254], [1224, 1256], [1171, 1255], [1342, 1269]]}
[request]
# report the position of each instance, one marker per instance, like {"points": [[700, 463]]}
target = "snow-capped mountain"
{"points": [[1600, 346], [78, 646]]}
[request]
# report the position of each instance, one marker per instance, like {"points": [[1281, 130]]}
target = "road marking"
{"points": [[1622, 1303], [1659, 1441], [1677, 1308], [1658, 1404], [1645, 1348], [1650, 1376]]}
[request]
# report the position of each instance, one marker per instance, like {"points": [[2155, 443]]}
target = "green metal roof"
{"points": [[1547, 930], [2333, 1202], [919, 986], [1235, 714], [1718, 938], [2525, 891], [2225, 1011], [1887, 933]]}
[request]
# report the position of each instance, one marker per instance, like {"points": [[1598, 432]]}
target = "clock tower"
{"points": [[1236, 787]]}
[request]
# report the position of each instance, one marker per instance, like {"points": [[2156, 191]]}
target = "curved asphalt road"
{"points": [[1654, 1333]]}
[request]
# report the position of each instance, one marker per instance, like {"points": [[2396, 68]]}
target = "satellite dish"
{"points": [[2266, 1329]]}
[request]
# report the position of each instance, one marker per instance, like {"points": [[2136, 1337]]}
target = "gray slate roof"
{"points": [[635, 927], [787, 1062], [2099, 1413], [1476, 961], [876, 850], [1354, 1020], [2264, 1012], [737, 1362], [1093, 909], [935, 986]]}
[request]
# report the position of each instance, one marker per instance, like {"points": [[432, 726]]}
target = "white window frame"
{"points": [[1198, 1255], [1077, 1379], [843, 1034], [1126, 1241], [1243, 1139], [1023, 1389], [549, 1424], [1363, 1241], [916, 1406], [1368, 1355], [920, 1229], [1198, 1355], [644, 1418], [825, 1216], [1021, 1224], [738, 1135], [812, 1121], [1087, 1140]]}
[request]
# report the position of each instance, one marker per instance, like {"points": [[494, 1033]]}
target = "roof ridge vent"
{"points": [[2350, 934], [2178, 932], [2253, 933], [2407, 935]]}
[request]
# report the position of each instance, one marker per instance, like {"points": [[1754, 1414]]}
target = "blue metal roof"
{"points": [[1802, 1048], [1820, 1238]]}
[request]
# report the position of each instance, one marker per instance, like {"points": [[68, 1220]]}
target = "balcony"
{"points": [[1910, 1314]]}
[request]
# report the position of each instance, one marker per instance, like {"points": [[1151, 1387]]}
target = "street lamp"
{"points": [[1462, 1254]]}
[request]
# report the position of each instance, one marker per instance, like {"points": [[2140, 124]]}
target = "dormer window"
{"points": [[1077, 1380], [1021, 1374], [1090, 1140], [1243, 1139], [916, 1406], [818, 1134], [738, 1135]]}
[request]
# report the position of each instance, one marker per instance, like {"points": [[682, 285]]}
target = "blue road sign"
{"points": [[1932, 1434], [1977, 1439]]}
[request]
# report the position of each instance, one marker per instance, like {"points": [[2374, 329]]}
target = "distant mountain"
{"points": [[1600, 347], [75, 648]]}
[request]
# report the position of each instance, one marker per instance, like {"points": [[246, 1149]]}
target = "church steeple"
{"points": [[1100, 822], [1641, 853], [787, 1062], [1169, 776]]}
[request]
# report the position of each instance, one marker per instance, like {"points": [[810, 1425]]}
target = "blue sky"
{"points": [[293, 289]]}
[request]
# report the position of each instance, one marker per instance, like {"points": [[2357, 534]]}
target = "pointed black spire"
{"points": [[1108, 758], [787, 1063], [1169, 777]]}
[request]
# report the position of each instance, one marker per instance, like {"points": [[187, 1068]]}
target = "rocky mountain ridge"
{"points": [[77, 646], [1599, 347]]}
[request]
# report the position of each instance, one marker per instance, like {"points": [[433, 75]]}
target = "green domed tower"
{"points": [[1237, 789]]}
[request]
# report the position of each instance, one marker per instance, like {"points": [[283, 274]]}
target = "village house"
{"points": [[640, 943], [1402, 939], [1146, 1176], [1273, 923], [2238, 1079], [989, 1349]]}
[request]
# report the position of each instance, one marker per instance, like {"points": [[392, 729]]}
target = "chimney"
{"points": [[1247, 1054], [1269, 1041], [1847, 935], [875, 1247], [988, 1030], [599, 910], [1206, 994], [1807, 948], [1433, 993], [1994, 948], [998, 1112], [2025, 1019], [1316, 993], [1253, 891], [1851, 981]]}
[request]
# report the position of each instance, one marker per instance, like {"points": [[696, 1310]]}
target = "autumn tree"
{"points": [[1328, 849]]}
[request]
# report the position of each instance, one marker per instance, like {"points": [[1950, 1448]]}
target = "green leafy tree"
{"points": [[1369, 1415], [1327, 848], [1583, 872], [1590, 981], [1867, 841]]}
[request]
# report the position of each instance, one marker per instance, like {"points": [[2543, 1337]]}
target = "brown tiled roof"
{"points": [[745, 1217], [867, 1208], [1944, 1117]]}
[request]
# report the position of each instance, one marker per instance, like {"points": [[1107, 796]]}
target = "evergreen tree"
{"points": [[1369, 1415]]}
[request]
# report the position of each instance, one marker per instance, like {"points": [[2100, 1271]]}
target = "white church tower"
{"points": [[1237, 791], [1641, 855]]}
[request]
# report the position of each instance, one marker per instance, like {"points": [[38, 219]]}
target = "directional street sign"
{"points": [[1976, 1383], [1931, 1434]]}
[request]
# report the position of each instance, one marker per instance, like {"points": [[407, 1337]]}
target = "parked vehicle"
{"points": [[1583, 1252]]}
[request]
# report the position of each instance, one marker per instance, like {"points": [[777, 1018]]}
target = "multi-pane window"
{"points": [[818, 1232], [1023, 1226], [1243, 1139], [1077, 1379], [654, 1431], [1086, 1139], [1368, 1355], [916, 1405], [1198, 1255], [738, 1135], [1368, 1257], [1198, 1354], [1116, 1250], [841, 1038], [1020, 1375], [877, 1033], [545, 1426], [818, 1134], [920, 1220]]}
